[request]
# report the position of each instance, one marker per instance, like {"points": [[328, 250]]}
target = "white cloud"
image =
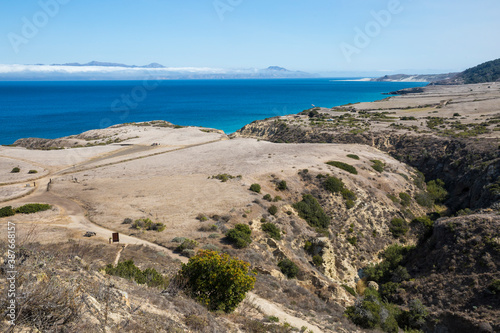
{"points": [[48, 69]]}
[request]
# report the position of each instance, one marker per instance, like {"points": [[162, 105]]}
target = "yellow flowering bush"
{"points": [[218, 280]]}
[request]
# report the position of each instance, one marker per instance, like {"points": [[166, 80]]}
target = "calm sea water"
{"points": [[56, 109]]}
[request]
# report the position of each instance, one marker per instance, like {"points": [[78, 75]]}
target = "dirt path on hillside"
{"points": [[80, 223]]}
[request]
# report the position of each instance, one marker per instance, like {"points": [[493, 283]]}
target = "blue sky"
{"points": [[313, 35]]}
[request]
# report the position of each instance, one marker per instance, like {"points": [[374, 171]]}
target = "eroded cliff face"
{"points": [[470, 167]]}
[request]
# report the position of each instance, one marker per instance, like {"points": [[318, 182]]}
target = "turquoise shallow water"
{"points": [[60, 108]]}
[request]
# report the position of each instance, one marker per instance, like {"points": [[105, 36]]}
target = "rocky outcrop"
{"points": [[453, 271]]}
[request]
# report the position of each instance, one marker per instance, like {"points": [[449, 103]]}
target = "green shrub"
{"points": [[378, 165], [353, 240], [147, 224], [255, 188], [349, 204], [239, 235], [288, 268], [273, 319], [32, 208], [188, 253], [424, 199], [208, 228], [333, 184], [223, 177], [348, 194], [277, 198], [436, 190], [494, 287], [370, 312], [317, 260], [366, 313], [350, 290], [213, 236], [282, 185], [392, 257], [343, 166], [268, 197], [419, 180], [187, 244], [272, 230], [415, 317], [354, 157], [310, 210], [405, 199], [393, 198], [32, 171], [389, 289], [425, 222], [127, 270], [15, 170], [179, 239], [398, 227], [202, 217], [309, 248], [217, 280], [7, 211], [272, 210]]}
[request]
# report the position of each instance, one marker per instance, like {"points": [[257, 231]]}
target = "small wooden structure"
{"points": [[116, 237]]}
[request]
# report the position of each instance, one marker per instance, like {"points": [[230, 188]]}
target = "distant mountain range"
{"points": [[96, 70], [486, 72], [111, 64]]}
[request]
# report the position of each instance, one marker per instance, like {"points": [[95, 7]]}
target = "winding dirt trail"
{"points": [[79, 222]]}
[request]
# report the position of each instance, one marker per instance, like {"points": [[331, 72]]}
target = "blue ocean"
{"points": [[60, 108]]}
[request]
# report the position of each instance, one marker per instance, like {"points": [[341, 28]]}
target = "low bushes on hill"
{"points": [[436, 190], [398, 227], [353, 156], [378, 165], [217, 280], [255, 188], [288, 268], [405, 199], [388, 269], [282, 186], [32, 208], [272, 230], [344, 166], [424, 199], [7, 211], [273, 210], [15, 170], [239, 235], [310, 210], [187, 244], [336, 185], [333, 184], [147, 224], [128, 270], [224, 177]]}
